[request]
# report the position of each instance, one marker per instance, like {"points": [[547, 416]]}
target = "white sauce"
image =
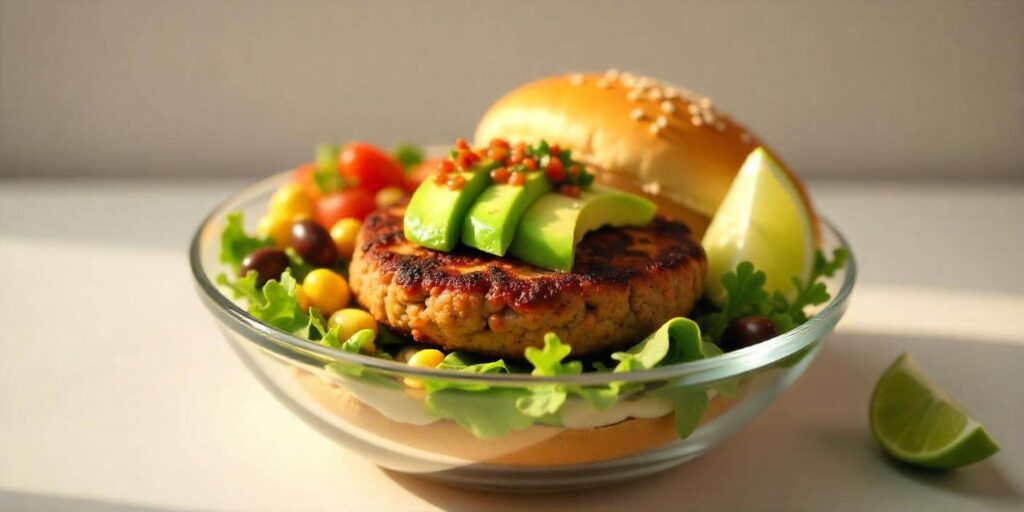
{"points": [[576, 412]]}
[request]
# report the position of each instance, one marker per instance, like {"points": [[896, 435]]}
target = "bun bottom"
{"points": [[537, 445]]}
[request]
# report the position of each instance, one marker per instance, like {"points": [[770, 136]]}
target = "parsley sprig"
{"points": [[745, 296]]}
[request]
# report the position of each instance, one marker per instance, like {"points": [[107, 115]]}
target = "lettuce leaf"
{"points": [[487, 414], [235, 244], [745, 295]]}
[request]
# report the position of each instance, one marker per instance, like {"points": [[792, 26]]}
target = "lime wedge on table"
{"points": [[763, 220], [917, 423]]}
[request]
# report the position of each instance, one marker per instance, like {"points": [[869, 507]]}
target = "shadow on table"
{"points": [[813, 449], [32, 502]]}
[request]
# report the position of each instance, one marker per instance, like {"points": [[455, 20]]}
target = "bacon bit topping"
{"points": [[456, 182], [497, 154], [466, 159], [555, 171], [518, 154], [506, 163], [500, 175], [569, 190]]}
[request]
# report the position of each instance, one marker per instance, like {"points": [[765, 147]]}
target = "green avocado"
{"points": [[491, 221], [435, 212], [551, 228]]}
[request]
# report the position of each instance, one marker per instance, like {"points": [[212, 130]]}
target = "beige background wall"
{"points": [[123, 87]]}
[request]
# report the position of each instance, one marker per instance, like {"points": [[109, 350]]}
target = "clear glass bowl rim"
{"points": [[727, 365]]}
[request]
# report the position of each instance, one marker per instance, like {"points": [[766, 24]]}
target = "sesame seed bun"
{"points": [[669, 143], [537, 445]]}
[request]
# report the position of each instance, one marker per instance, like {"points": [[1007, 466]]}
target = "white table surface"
{"points": [[117, 392]]}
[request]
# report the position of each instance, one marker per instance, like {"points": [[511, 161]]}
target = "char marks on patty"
{"points": [[606, 256], [626, 282]]}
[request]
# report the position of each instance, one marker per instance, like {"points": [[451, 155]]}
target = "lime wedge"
{"points": [[764, 220], [917, 423]]}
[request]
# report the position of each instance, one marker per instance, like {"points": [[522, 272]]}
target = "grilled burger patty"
{"points": [[625, 283]]}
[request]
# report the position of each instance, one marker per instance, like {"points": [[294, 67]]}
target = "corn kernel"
{"points": [[327, 290], [276, 227], [388, 196], [428, 358], [291, 200], [344, 235], [350, 321]]}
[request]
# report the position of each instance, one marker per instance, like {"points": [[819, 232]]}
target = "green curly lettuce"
{"points": [[235, 244], [745, 296]]}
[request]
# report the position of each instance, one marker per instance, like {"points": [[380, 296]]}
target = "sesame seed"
{"points": [[720, 126], [696, 121], [637, 114], [661, 121], [654, 129], [653, 187], [746, 138], [612, 74], [709, 116], [668, 107], [632, 95], [693, 109], [671, 92], [576, 79], [654, 94], [603, 83], [705, 102]]}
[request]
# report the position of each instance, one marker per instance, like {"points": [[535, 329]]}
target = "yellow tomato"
{"points": [[344, 235], [327, 290], [291, 201]]}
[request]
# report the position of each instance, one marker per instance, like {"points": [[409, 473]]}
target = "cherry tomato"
{"points": [[303, 175], [353, 202], [371, 168]]}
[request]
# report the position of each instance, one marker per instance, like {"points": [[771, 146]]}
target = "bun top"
{"points": [[670, 142]]}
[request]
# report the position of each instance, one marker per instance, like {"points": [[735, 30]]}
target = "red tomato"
{"points": [[351, 202], [370, 167]]}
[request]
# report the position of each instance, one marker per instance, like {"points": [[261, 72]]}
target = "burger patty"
{"points": [[625, 283]]}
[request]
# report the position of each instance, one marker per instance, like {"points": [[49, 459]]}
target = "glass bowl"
{"points": [[363, 403]]}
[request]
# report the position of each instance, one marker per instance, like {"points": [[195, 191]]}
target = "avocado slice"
{"points": [[434, 216], [492, 220], [553, 226]]}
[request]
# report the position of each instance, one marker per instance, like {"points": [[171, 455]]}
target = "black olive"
{"points": [[313, 243], [268, 263], [746, 331]]}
